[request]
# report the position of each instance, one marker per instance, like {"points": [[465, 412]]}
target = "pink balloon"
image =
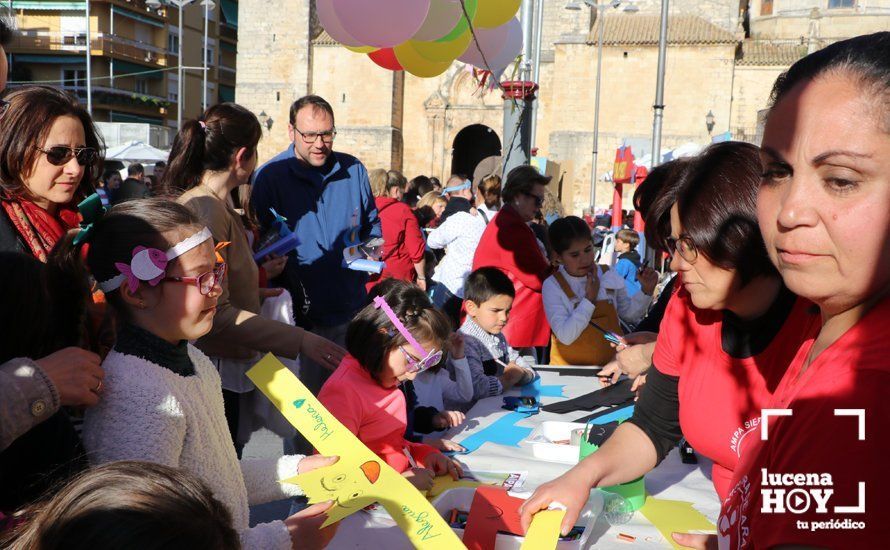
{"points": [[490, 41], [441, 20], [381, 23], [511, 49], [331, 23]]}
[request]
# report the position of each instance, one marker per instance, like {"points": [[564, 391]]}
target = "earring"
{"points": [[141, 304]]}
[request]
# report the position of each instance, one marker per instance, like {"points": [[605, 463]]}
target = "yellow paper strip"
{"points": [[543, 533], [670, 516], [359, 478]]}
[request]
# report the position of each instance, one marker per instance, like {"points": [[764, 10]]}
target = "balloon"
{"points": [[418, 65], [381, 23], [462, 24], [512, 47], [444, 15], [331, 23], [361, 49], [443, 51], [490, 41], [386, 58], [494, 13]]}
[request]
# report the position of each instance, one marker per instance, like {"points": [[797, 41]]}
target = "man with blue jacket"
{"points": [[326, 196]]}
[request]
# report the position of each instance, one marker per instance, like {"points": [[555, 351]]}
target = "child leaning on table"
{"points": [[391, 340], [494, 366]]}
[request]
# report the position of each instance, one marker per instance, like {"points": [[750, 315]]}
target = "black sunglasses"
{"points": [[539, 201], [58, 155]]}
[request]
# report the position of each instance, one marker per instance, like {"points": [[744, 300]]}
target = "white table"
{"points": [[670, 480]]}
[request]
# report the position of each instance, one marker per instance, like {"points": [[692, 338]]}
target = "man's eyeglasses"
{"points": [[205, 282], [415, 367], [539, 200], [684, 246], [310, 137], [59, 155]]}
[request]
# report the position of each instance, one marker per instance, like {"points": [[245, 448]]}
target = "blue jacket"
{"points": [[319, 203]]}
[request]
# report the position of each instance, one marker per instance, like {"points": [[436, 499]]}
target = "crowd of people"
{"points": [[135, 307]]}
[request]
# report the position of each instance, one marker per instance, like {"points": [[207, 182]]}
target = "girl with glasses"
{"points": [[49, 153], [161, 397]]}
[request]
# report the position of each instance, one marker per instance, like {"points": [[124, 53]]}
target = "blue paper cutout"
{"points": [[503, 431], [536, 390], [621, 414]]}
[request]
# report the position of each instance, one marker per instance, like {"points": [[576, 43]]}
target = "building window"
{"points": [[141, 86], [832, 4], [210, 56], [173, 43], [766, 7], [74, 78]]}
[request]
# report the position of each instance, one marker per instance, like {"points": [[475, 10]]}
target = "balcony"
{"points": [[113, 98], [101, 44]]}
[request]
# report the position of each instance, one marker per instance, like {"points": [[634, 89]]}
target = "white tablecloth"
{"points": [[670, 480]]}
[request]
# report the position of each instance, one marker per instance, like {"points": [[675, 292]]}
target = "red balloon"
{"points": [[386, 58]]}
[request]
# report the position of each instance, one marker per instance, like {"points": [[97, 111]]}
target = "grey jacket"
{"points": [[27, 398]]}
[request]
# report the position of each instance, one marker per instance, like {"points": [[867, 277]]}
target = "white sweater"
{"points": [[569, 318], [461, 234], [150, 413]]}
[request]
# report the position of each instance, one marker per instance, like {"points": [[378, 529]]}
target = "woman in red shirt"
{"points": [[824, 211], [727, 336], [510, 245], [403, 242]]}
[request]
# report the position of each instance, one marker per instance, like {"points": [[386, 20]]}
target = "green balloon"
{"points": [[463, 24]]}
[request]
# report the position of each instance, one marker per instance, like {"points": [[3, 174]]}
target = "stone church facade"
{"points": [[723, 56]]}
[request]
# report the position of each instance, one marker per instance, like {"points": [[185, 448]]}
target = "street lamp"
{"points": [[265, 120], [575, 5], [709, 121]]}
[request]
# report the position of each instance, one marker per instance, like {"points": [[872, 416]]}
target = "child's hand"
{"points": [[445, 445], [441, 465], [592, 287], [639, 382], [456, 345], [513, 373], [448, 419], [610, 373], [314, 462], [305, 527], [274, 265], [648, 278], [420, 478]]}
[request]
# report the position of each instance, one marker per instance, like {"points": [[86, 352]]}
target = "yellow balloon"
{"points": [[494, 13], [414, 63], [361, 49], [443, 51]]}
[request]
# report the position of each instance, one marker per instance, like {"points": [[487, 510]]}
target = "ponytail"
{"points": [[208, 144]]}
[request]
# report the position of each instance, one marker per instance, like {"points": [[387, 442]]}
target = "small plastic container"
{"points": [[544, 437]]}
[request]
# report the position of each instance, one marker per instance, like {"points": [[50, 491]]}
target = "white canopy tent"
{"points": [[136, 151]]}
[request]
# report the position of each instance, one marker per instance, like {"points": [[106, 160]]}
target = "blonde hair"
{"points": [[430, 199], [378, 179]]}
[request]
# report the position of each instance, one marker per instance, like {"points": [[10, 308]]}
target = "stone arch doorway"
{"points": [[471, 145]]}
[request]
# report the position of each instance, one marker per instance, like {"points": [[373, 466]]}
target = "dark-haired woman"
{"points": [[211, 157], [727, 337], [49, 160]]}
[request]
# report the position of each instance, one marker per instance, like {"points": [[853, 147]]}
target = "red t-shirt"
{"points": [[815, 442], [403, 242], [721, 396]]}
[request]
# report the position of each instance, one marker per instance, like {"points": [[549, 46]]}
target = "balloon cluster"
{"points": [[423, 37]]}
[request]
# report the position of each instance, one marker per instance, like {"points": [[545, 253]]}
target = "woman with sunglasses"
{"points": [[211, 157], [729, 333], [509, 244], [49, 161]]}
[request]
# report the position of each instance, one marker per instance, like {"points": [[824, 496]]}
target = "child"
{"points": [[435, 387], [494, 365], [161, 399], [580, 292], [629, 262], [391, 340]]}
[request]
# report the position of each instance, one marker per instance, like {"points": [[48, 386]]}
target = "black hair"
{"points": [[654, 198], [866, 57], [417, 187], [160, 164], [143, 222], [485, 283], [208, 144], [135, 168], [522, 180], [371, 335], [316, 101], [108, 174], [564, 231], [717, 204]]}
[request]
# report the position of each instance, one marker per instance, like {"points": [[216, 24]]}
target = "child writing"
{"points": [[161, 400], [495, 367], [579, 293], [391, 340]]}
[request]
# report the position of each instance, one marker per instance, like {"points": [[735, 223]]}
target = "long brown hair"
{"points": [[129, 504], [208, 144], [28, 119]]}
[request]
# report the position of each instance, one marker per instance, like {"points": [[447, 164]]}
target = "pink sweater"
{"points": [[373, 413]]}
